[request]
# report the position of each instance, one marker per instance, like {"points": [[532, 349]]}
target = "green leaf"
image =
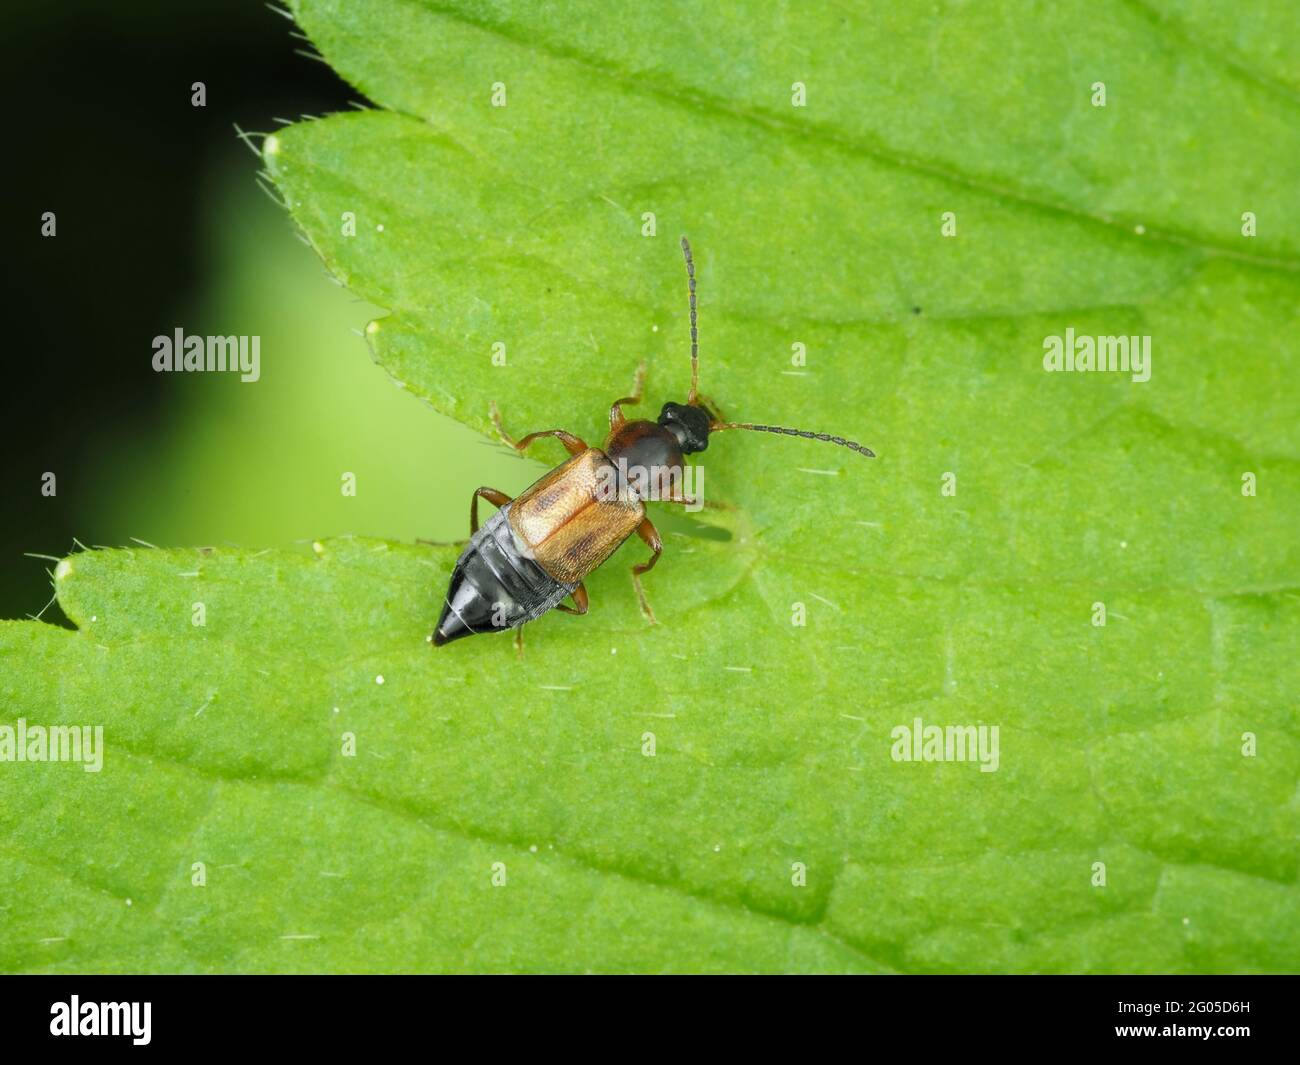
{"points": [[817, 226]]}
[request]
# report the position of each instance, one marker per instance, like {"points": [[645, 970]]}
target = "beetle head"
{"points": [[688, 423]]}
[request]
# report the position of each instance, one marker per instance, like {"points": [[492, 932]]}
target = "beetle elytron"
{"points": [[537, 548]]}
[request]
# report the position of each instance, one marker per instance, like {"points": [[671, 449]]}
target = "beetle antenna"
{"points": [[695, 333], [826, 437]]}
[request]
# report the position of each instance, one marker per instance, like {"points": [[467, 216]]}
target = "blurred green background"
{"points": [[261, 464], [161, 224]]}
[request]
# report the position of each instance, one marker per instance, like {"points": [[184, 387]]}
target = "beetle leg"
{"points": [[497, 499], [679, 496], [580, 601], [573, 444], [616, 418], [519, 643], [707, 504], [650, 535]]}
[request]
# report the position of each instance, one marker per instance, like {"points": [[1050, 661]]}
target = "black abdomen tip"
{"points": [[450, 626], [494, 586]]}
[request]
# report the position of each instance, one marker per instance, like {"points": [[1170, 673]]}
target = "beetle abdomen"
{"points": [[495, 585]]}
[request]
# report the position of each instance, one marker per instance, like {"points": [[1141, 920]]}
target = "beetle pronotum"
{"points": [[535, 551]]}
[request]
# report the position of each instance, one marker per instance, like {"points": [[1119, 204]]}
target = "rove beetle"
{"points": [[536, 549]]}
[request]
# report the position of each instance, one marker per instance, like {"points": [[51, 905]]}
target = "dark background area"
{"points": [[101, 131]]}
